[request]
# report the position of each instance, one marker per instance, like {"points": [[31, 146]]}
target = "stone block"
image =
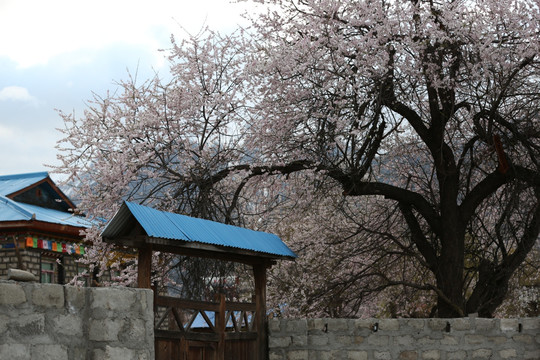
{"points": [[364, 324], [67, 325], [317, 325], [299, 340], [449, 340], [318, 340], [105, 330], [75, 298], [338, 325], [408, 355], [475, 339], [279, 342], [427, 341], [15, 351], [273, 326], [382, 355], [134, 331], [523, 338], [460, 324], [404, 340], [49, 352], [497, 339], [296, 326], [146, 299], [378, 340], [532, 354], [415, 324], [297, 355], [120, 353], [113, 299], [357, 355], [323, 355], [456, 355], [48, 295], [437, 324], [25, 326], [508, 325], [483, 325], [342, 340], [11, 294], [482, 354], [389, 325], [431, 354], [274, 355], [508, 354], [21, 275], [3, 325], [531, 324]]}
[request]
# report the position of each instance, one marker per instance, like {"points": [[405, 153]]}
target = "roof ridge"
{"points": [[24, 176], [15, 206]]}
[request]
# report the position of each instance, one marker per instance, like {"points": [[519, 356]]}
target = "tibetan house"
{"points": [[39, 232]]}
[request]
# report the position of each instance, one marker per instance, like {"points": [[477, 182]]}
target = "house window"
{"points": [[83, 276], [47, 271]]}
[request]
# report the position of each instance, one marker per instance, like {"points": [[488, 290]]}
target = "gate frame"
{"points": [[260, 265]]}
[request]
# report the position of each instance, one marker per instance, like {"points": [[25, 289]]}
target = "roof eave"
{"points": [[42, 226]]}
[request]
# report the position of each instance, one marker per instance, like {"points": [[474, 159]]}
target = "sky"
{"points": [[55, 54]]}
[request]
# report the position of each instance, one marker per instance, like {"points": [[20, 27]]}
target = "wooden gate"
{"points": [[199, 330]]}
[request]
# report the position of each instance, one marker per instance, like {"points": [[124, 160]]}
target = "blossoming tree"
{"points": [[427, 110]]}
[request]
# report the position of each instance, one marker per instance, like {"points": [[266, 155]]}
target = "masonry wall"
{"points": [[48, 321], [408, 339]]}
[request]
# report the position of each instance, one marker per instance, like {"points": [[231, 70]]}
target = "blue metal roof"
{"points": [[166, 225], [11, 210], [15, 211], [10, 184]]}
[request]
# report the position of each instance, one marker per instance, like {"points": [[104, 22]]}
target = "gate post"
{"points": [[220, 327], [144, 267], [259, 272]]}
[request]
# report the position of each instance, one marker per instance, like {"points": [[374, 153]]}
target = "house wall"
{"points": [[48, 321], [29, 259], [355, 339]]}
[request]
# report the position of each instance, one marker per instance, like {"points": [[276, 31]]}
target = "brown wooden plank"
{"points": [[169, 301], [220, 328], [192, 336], [145, 267], [259, 272], [240, 336], [238, 306]]}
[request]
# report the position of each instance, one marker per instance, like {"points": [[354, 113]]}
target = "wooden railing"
{"points": [[216, 323]]}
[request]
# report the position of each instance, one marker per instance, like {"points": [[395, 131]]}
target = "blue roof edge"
{"points": [[15, 206], [43, 174], [134, 206]]}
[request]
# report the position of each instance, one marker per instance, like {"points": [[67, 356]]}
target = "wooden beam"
{"points": [[220, 328], [259, 273], [208, 253], [145, 267]]}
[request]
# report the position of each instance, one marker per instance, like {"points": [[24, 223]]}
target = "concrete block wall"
{"points": [[407, 339], [48, 321]]}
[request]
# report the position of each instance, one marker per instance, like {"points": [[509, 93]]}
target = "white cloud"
{"points": [[6, 132], [16, 93], [36, 30]]}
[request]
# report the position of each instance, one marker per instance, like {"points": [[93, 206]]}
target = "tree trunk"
{"points": [[450, 271]]}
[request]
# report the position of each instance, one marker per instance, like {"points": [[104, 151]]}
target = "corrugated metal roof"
{"points": [[13, 183], [165, 225], [15, 211]]}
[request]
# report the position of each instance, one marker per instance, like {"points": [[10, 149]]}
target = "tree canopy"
{"points": [[392, 144]]}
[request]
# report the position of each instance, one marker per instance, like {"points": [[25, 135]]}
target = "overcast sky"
{"points": [[55, 53]]}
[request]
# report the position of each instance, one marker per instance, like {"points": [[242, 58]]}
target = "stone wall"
{"points": [[359, 339], [47, 321]]}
